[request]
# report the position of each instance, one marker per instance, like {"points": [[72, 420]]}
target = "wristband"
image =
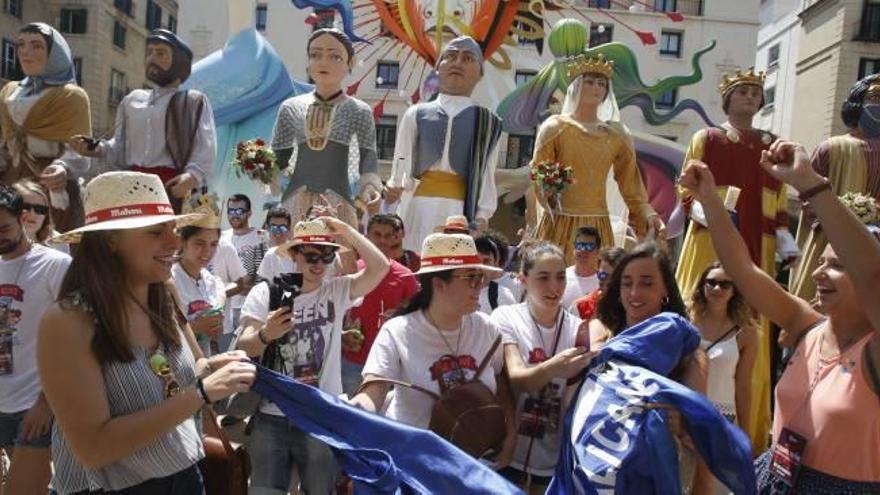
{"points": [[200, 386], [261, 337], [809, 193]]}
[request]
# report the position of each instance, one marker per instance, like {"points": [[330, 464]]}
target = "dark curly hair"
{"points": [[851, 110], [611, 311]]}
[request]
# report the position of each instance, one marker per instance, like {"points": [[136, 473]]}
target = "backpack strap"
{"points": [[487, 358], [493, 294], [391, 381]]}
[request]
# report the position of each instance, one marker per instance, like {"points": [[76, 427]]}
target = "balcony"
{"points": [[684, 7]]}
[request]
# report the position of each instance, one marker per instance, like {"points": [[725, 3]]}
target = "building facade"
{"points": [[107, 38], [777, 55], [734, 25]]}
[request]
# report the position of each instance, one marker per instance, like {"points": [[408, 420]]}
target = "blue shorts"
{"points": [[11, 434]]}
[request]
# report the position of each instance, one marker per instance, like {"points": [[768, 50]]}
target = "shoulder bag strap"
{"points": [[391, 381], [209, 420], [487, 358], [733, 329], [493, 294]]}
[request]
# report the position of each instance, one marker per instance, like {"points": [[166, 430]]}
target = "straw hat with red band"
{"points": [[313, 232], [442, 252], [125, 200]]}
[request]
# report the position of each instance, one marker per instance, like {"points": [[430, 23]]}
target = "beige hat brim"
{"points": [[284, 249], [443, 268], [74, 236]]}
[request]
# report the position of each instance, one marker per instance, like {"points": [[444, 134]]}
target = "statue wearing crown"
{"points": [[588, 137], [851, 162], [733, 153]]}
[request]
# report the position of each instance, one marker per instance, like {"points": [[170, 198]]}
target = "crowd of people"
{"points": [[126, 310]]}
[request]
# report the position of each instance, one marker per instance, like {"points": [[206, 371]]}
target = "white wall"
{"points": [[780, 26]]}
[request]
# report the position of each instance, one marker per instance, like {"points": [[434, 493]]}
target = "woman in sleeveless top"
{"points": [[729, 339], [826, 426], [122, 377]]}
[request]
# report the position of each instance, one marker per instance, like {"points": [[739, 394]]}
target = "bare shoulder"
{"points": [[747, 337], [66, 329]]}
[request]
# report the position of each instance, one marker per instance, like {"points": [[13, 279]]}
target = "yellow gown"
{"points": [[591, 153]]}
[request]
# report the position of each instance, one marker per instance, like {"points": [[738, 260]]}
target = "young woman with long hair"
{"points": [[35, 213], [122, 376]]}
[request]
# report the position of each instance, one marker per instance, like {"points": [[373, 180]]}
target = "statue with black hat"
{"points": [[166, 130]]}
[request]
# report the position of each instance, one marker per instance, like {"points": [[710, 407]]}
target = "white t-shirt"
{"points": [[240, 243], [227, 265], [197, 296], [511, 281], [577, 287], [409, 348], [28, 285], [518, 327], [505, 297], [312, 352]]}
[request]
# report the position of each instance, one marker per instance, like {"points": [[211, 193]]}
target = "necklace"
{"points": [[445, 340], [556, 334]]}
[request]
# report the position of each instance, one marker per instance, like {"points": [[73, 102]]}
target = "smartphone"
{"points": [[583, 338], [291, 286]]}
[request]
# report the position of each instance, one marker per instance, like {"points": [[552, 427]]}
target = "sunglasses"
{"points": [[38, 209], [278, 229], [159, 365], [602, 275], [719, 284], [474, 280], [236, 212], [585, 246], [314, 258]]}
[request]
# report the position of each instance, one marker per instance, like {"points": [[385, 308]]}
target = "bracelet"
{"points": [[261, 337], [200, 386], [809, 193]]}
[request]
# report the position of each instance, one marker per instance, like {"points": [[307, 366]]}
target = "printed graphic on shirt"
{"points": [[541, 412], [303, 349], [196, 308], [449, 371], [9, 318]]}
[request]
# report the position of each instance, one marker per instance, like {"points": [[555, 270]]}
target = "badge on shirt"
{"points": [[9, 318], [787, 453], [540, 415]]}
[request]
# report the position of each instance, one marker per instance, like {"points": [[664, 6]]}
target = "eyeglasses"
{"points": [[314, 258], [585, 246], [278, 229], [236, 212], [719, 284], [38, 209], [474, 280], [602, 275], [159, 365]]}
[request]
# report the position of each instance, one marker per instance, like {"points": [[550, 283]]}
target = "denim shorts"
{"points": [[11, 434]]}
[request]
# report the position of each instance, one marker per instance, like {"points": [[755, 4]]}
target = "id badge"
{"points": [[6, 362], [788, 451], [533, 420]]}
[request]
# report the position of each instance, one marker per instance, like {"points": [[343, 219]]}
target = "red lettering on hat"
{"points": [[129, 211], [451, 260]]}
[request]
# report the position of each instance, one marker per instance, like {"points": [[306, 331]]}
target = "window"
{"points": [[74, 21], [868, 66], [325, 18], [117, 86], [13, 7], [154, 15], [119, 33], [262, 17], [172, 24], [599, 4], [668, 99], [601, 34], [519, 150], [387, 74], [386, 135], [9, 67], [523, 76], [125, 6], [78, 70], [670, 43], [870, 29], [665, 5], [773, 56], [769, 98]]}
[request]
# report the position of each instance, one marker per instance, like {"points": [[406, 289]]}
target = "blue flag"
{"points": [[382, 456], [614, 444]]}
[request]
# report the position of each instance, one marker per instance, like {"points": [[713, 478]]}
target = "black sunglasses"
{"points": [[314, 258], [38, 209], [720, 284]]}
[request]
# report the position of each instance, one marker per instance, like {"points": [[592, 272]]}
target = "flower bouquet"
{"points": [[256, 160], [552, 178], [864, 207]]}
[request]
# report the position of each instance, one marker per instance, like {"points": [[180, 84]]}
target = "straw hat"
{"points": [[206, 204], [124, 200], [449, 252], [313, 232], [455, 224]]}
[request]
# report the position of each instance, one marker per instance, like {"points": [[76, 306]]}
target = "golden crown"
{"points": [[205, 204], [583, 64], [739, 77]]}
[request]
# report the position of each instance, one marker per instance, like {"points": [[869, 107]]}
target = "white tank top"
{"points": [[723, 358]]}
